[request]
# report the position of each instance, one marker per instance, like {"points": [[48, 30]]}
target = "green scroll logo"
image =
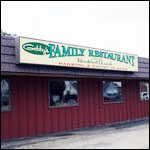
{"points": [[36, 48]]}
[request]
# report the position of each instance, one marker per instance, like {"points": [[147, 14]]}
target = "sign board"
{"points": [[40, 52]]}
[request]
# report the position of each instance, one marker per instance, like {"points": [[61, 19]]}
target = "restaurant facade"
{"points": [[48, 87]]}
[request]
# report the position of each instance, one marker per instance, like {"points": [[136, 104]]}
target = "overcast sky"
{"points": [[117, 26]]}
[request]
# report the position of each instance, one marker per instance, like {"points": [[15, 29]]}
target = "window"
{"points": [[112, 92], [5, 94], [144, 91], [63, 93]]}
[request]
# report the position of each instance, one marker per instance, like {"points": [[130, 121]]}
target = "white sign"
{"points": [[40, 52]]}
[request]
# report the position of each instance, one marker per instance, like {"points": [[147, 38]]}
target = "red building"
{"points": [[40, 99]]}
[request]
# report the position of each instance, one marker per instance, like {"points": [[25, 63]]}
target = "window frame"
{"points": [[8, 109], [145, 81], [53, 80], [119, 102]]}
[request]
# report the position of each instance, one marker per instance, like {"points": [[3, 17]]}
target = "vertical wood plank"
{"points": [[39, 106], [55, 121], [120, 110], [102, 106], [135, 100], [61, 119], [142, 108], [131, 100], [68, 118], [14, 131], [145, 109], [139, 101], [31, 106], [86, 104], [112, 114], [47, 110], [22, 102], [96, 96], [106, 113], [124, 106], [80, 102], [128, 99], [148, 109], [91, 103], [74, 117], [116, 112], [5, 125]]}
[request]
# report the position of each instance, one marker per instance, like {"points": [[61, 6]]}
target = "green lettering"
{"points": [[118, 57], [66, 52], [76, 49], [96, 53], [72, 51], [123, 59], [132, 57], [82, 51], [128, 59], [105, 53], [90, 52], [51, 50], [57, 51], [101, 54], [110, 55]]}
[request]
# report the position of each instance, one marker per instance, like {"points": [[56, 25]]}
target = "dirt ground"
{"points": [[128, 135]]}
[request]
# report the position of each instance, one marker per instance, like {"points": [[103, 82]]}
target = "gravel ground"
{"points": [[131, 135]]}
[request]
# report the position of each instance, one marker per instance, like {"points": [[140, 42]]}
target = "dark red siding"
{"points": [[30, 114]]}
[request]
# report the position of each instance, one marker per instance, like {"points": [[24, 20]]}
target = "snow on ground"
{"points": [[133, 135]]}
